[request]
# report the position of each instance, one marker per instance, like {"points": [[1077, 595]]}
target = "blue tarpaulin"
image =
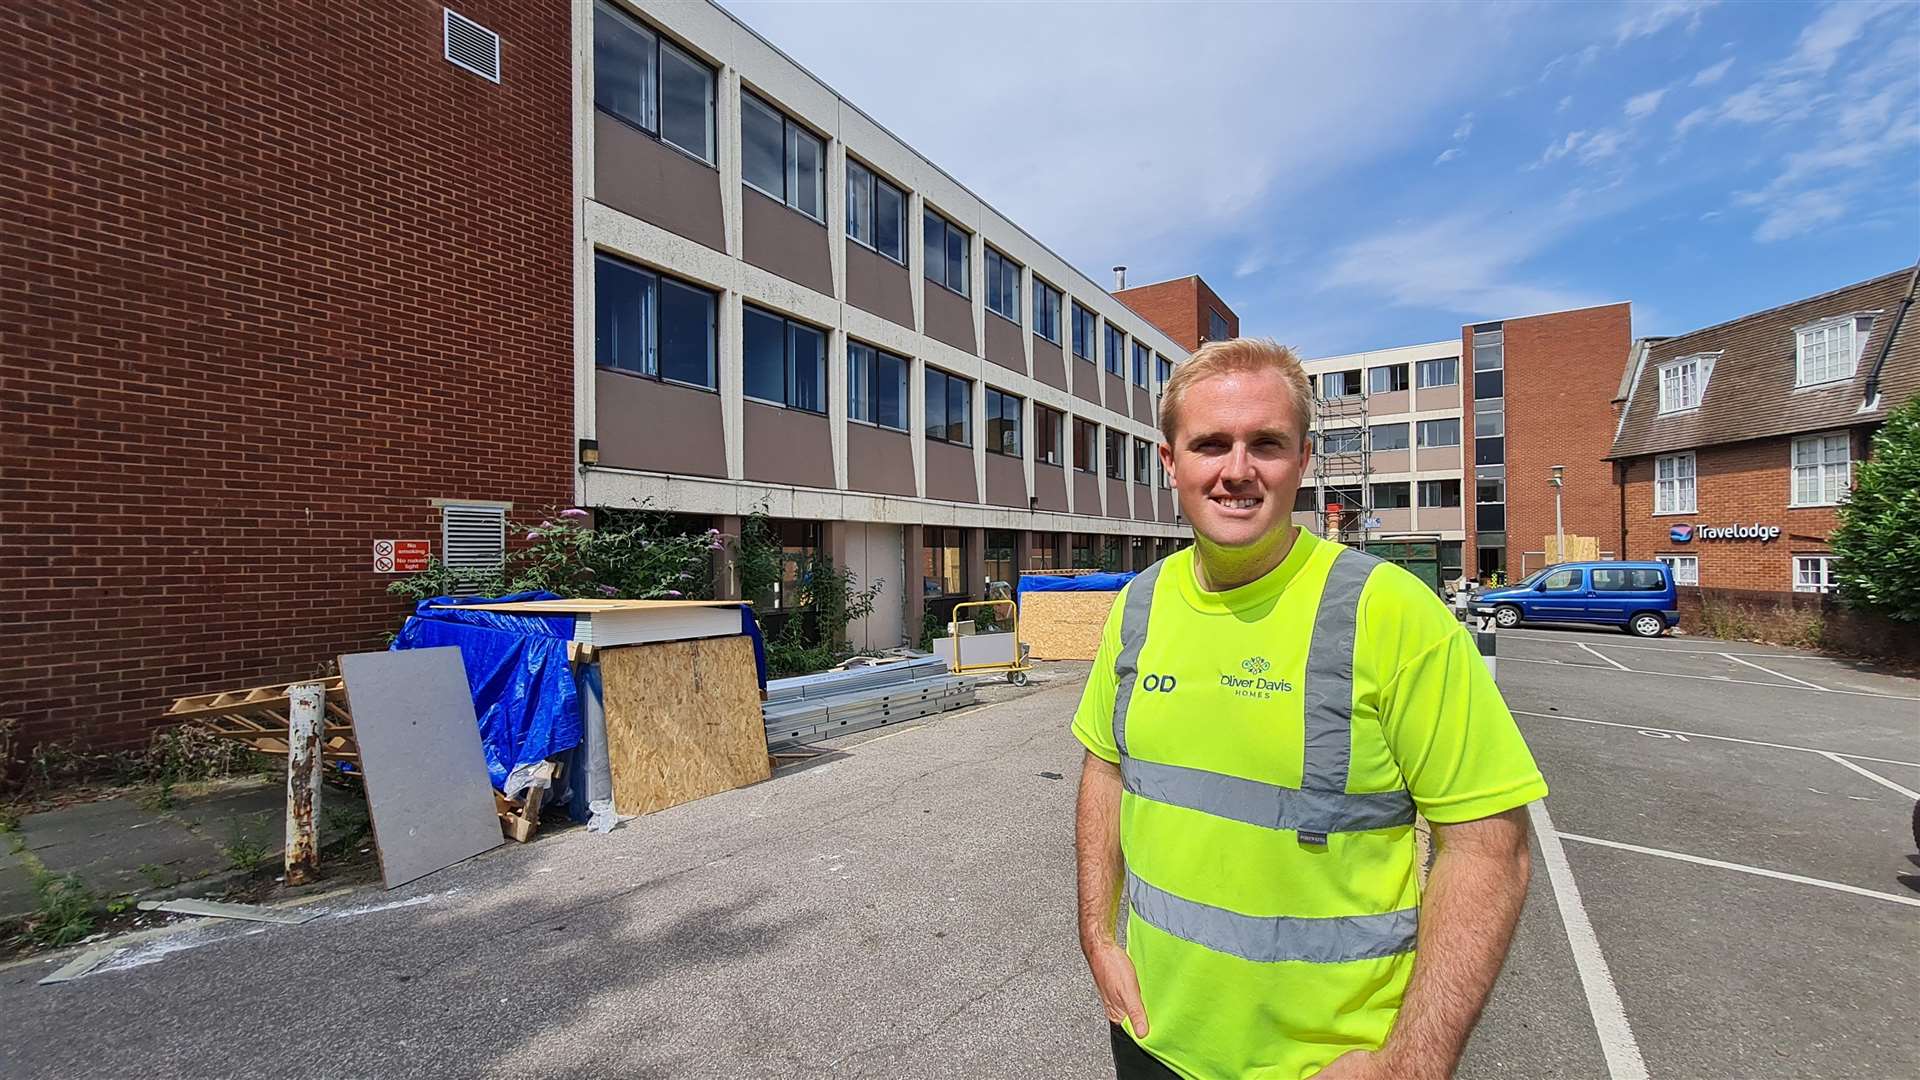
{"points": [[1075, 583]]}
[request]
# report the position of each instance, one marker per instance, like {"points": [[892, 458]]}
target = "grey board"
{"points": [[427, 784]]}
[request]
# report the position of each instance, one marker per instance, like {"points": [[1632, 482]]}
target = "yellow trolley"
{"points": [[1014, 662]]}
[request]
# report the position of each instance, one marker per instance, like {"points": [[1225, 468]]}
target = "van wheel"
{"points": [[1506, 616], [1647, 624]]}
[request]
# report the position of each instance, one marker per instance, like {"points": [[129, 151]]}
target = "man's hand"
{"points": [[1119, 987]]}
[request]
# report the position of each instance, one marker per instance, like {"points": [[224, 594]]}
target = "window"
{"points": [[1003, 423], [1046, 311], [799, 552], [1686, 568], [1340, 384], [1439, 493], [1303, 501], [1392, 496], [1086, 446], [949, 408], [1163, 370], [1627, 579], [1489, 418], [1217, 328], [1343, 441], [1387, 380], [1826, 352], [1083, 552], [1047, 427], [652, 325], [1489, 350], [1813, 573], [1490, 518], [1440, 432], [1822, 469], [1116, 455], [782, 160], [1673, 484], [999, 562], [1681, 383], [1437, 372], [1043, 551], [1389, 436], [1160, 473], [1003, 286], [1116, 354], [1450, 565], [473, 538], [1142, 450], [1489, 451], [1489, 384], [1142, 363], [1083, 332], [650, 83], [786, 361], [877, 386], [947, 250], [943, 558], [1562, 581], [1490, 489], [876, 213]]}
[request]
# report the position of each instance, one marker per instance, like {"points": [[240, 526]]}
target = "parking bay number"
{"points": [[1664, 735]]}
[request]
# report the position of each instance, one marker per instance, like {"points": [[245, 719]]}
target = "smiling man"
{"points": [[1266, 713]]}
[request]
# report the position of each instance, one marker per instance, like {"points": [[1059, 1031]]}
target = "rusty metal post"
{"points": [[306, 720]]}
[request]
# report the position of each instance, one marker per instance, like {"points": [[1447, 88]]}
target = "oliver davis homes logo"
{"points": [[1255, 687]]}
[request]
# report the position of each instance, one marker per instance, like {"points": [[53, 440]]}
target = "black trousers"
{"points": [[1130, 1062]]}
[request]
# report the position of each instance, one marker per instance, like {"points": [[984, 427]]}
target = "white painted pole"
{"points": [[306, 718]]}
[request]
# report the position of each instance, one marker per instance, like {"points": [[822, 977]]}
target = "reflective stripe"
{"points": [[1266, 805], [1133, 635], [1327, 696], [1271, 938]]}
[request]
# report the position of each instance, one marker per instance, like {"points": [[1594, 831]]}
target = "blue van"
{"points": [[1636, 595]]}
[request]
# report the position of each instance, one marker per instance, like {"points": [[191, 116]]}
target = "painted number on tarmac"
{"points": [[1664, 735]]}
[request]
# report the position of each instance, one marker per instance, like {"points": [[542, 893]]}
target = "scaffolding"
{"points": [[1343, 466]]}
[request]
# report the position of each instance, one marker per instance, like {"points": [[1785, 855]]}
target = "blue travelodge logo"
{"points": [[1255, 686], [1681, 534]]}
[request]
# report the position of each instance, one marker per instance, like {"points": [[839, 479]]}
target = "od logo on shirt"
{"points": [[1256, 686], [1158, 684]]}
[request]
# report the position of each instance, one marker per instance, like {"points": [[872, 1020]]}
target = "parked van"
{"points": [[1636, 595]]}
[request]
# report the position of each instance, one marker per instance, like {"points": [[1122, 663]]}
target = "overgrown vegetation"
{"points": [[64, 910], [821, 599], [634, 555], [247, 849], [171, 757], [1877, 540], [1782, 624]]}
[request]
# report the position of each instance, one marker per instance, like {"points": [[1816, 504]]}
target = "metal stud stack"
{"points": [[839, 702]]}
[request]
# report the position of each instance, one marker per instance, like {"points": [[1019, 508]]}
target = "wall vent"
{"points": [[473, 541], [471, 46]]}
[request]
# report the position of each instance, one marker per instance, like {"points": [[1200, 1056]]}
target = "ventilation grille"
{"points": [[472, 46], [473, 539]]}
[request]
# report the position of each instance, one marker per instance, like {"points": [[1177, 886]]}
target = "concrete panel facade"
{"points": [[787, 446], [636, 174], [1006, 481], [1006, 344], [1050, 487], [658, 426], [879, 285], [879, 460], [786, 242], [950, 473], [949, 317]]}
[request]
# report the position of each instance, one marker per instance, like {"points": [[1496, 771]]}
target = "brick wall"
{"points": [[1179, 308], [276, 276], [1562, 371], [1736, 484]]}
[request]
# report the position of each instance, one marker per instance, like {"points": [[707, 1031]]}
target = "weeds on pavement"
{"points": [[65, 910]]}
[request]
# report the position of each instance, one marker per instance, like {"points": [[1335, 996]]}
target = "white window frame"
{"points": [[1821, 578], [1690, 575], [1844, 335], [1673, 387], [1420, 368], [1669, 500], [1420, 433], [1833, 488]]}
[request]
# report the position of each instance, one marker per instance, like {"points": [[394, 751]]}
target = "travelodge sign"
{"points": [[1683, 534]]}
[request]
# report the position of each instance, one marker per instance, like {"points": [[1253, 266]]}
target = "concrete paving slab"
{"points": [[107, 843], [17, 895]]}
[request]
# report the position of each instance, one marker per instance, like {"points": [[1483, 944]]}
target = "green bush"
{"points": [[1877, 540], [634, 555]]}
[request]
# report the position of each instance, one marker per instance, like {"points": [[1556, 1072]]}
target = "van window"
{"points": [[1629, 579], [1562, 581]]}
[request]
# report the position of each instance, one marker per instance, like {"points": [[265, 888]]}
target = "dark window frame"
{"points": [[789, 362], [1425, 486], [949, 230], [651, 366], [1395, 490], [1406, 435], [1113, 345], [1392, 369], [1086, 332], [874, 363], [875, 182], [1086, 446], [1116, 447], [1049, 422], [1046, 316], [998, 402], [1142, 452], [657, 131], [1218, 329], [1012, 293], [1142, 362], [946, 406], [789, 128]]}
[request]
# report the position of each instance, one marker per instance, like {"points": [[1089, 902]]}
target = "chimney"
{"points": [[1119, 278]]}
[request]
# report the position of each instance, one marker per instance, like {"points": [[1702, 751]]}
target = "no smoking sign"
{"points": [[401, 556]]}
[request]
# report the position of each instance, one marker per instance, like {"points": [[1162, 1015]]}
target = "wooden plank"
{"points": [[229, 700], [1064, 625], [683, 721]]}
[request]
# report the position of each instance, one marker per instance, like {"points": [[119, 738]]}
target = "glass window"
{"points": [[1340, 384], [1003, 423], [1825, 353], [1444, 372], [1489, 384], [1490, 489], [1141, 452], [1217, 328], [1822, 469], [1680, 385], [1489, 451], [1116, 354], [1083, 552], [1047, 425], [946, 255], [949, 407], [1489, 350], [1686, 568], [1562, 581], [1142, 363], [1342, 441], [1086, 445], [626, 56], [1490, 517], [1440, 432], [1389, 436], [999, 563], [1303, 500], [652, 325], [1627, 579], [1116, 455], [686, 102], [1046, 311], [1439, 493], [1387, 380], [1673, 484], [1450, 565], [1163, 370], [1083, 332], [686, 333], [876, 212], [943, 560], [1392, 496], [877, 386], [781, 159], [1813, 573], [1489, 418], [785, 361], [1003, 286]]}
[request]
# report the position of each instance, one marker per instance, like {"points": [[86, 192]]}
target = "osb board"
{"points": [[1064, 625], [1579, 549], [683, 721]]}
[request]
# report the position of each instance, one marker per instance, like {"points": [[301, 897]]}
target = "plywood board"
{"points": [[683, 721], [1579, 549], [1064, 625], [427, 786]]}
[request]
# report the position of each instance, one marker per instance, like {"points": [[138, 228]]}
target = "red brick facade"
{"points": [[1179, 308], [1745, 483], [1562, 371], [276, 276]]}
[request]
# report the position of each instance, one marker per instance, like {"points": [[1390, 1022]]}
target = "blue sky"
{"points": [[1355, 176]]}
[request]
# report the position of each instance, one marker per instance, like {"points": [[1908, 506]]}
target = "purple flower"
{"points": [[533, 535], [608, 590], [575, 514], [674, 594]]}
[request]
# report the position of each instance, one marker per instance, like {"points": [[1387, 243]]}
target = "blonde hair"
{"points": [[1217, 358]]}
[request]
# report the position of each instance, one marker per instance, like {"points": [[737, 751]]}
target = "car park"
{"points": [[1637, 596]]}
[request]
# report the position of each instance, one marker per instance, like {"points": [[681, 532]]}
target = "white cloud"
{"points": [[1448, 155], [1588, 147], [1713, 215], [1800, 213], [1565, 104], [1640, 105], [1472, 264], [1838, 26], [1573, 61], [1463, 129], [1648, 19], [1709, 76]]}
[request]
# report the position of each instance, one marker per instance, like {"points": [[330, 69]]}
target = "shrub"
{"points": [[1877, 540]]}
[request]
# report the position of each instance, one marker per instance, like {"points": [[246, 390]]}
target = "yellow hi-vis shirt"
{"points": [[1267, 819]]}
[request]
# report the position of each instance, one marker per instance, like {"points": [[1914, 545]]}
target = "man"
{"points": [[1266, 713]]}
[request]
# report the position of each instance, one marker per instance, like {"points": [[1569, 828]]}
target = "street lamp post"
{"points": [[1559, 529]]}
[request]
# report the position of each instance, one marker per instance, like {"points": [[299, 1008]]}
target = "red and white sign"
{"points": [[401, 556]]}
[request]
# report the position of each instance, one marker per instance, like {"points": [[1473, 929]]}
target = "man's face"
{"points": [[1237, 458]]}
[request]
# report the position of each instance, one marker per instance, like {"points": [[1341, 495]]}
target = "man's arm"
{"points": [[1097, 846], [1473, 900]]}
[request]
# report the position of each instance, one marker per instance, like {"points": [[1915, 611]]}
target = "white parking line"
{"points": [[1565, 639], [1755, 870], [1603, 656], [1720, 738], [1775, 674], [1720, 679], [1873, 776], [1603, 1000]]}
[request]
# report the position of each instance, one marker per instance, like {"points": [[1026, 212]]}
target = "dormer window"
{"points": [[1684, 381], [1827, 351]]}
